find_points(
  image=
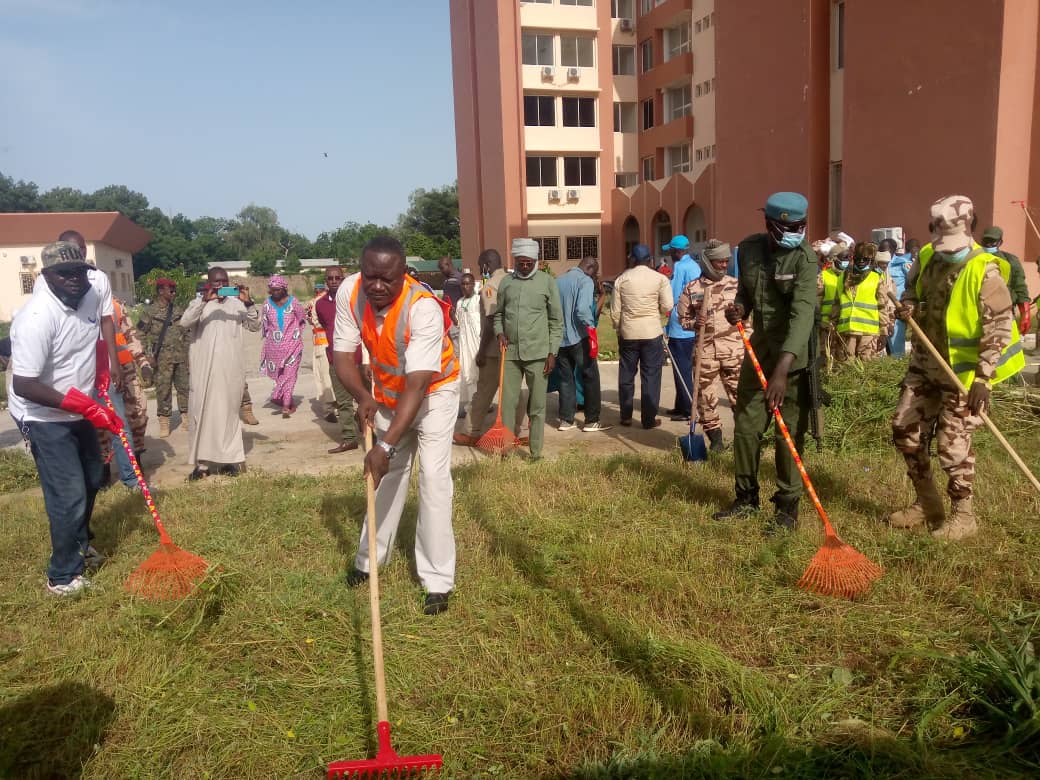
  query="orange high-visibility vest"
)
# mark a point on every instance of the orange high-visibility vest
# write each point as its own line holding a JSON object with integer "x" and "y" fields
{"x": 321, "y": 338}
{"x": 386, "y": 348}
{"x": 122, "y": 348}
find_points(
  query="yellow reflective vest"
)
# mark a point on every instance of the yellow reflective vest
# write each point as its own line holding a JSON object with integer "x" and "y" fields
{"x": 830, "y": 278}
{"x": 963, "y": 323}
{"x": 859, "y": 314}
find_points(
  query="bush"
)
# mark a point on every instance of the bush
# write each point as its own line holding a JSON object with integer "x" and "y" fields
{"x": 144, "y": 287}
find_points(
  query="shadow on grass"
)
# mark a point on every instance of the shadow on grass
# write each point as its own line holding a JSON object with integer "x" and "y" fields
{"x": 367, "y": 714}
{"x": 342, "y": 515}
{"x": 685, "y": 479}
{"x": 117, "y": 522}
{"x": 52, "y": 731}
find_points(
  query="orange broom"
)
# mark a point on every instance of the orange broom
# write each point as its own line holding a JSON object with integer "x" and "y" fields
{"x": 499, "y": 440}
{"x": 170, "y": 572}
{"x": 837, "y": 569}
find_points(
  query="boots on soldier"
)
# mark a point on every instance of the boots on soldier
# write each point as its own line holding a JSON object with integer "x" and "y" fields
{"x": 785, "y": 517}
{"x": 927, "y": 508}
{"x": 962, "y": 522}
{"x": 246, "y": 413}
{"x": 164, "y": 427}
{"x": 743, "y": 507}
{"x": 715, "y": 440}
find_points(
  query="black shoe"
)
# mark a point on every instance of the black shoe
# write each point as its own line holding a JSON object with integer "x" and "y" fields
{"x": 742, "y": 508}
{"x": 197, "y": 474}
{"x": 715, "y": 438}
{"x": 356, "y": 577}
{"x": 435, "y": 603}
{"x": 679, "y": 417}
{"x": 786, "y": 516}
{"x": 230, "y": 470}
{"x": 627, "y": 422}
{"x": 331, "y": 418}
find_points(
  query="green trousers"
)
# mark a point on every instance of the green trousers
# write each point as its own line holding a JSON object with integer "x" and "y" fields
{"x": 345, "y": 409}
{"x": 530, "y": 371}
{"x": 751, "y": 420}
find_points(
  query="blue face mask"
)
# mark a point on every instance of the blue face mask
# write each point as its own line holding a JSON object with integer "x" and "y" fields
{"x": 791, "y": 240}
{"x": 956, "y": 257}
{"x": 841, "y": 265}
{"x": 991, "y": 249}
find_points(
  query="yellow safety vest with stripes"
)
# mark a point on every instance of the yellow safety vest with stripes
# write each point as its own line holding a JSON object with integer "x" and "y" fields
{"x": 860, "y": 313}
{"x": 830, "y": 277}
{"x": 963, "y": 323}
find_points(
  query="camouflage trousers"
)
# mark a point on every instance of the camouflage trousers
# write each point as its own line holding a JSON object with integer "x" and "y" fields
{"x": 928, "y": 410}
{"x": 845, "y": 346}
{"x": 135, "y": 402}
{"x": 724, "y": 368}
{"x": 169, "y": 376}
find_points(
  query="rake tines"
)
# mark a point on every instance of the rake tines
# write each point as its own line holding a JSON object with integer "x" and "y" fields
{"x": 499, "y": 440}
{"x": 386, "y": 764}
{"x": 838, "y": 569}
{"x": 167, "y": 574}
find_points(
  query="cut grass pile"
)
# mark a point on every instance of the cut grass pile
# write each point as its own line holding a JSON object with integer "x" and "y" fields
{"x": 603, "y": 627}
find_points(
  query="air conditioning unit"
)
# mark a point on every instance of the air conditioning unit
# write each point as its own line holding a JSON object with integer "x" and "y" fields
{"x": 28, "y": 260}
{"x": 547, "y": 72}
{"x": 572, "y": 74}
{"x": 573, "y": 194}
{"x": 554, "y": 194}
{"x": 627, "y": 25}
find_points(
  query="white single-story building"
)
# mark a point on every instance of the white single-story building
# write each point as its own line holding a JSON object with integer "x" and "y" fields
{"x": 240, "y": 268}
{"x": 112, "y": 240}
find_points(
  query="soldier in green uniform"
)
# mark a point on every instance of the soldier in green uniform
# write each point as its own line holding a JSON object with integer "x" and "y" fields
{"x": 992, "y": 239}
{"x": 166, "y": 344}
{"x": 777, "y": 287}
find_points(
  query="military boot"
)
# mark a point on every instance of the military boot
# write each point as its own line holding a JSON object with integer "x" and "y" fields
{"x": 246, "y": 413}
{"x": 715, "y": 439}
{"x": 164, "y": 427}
{"x": 962, "y": 522}
{"x": 743, "y": 507}
{"x": 786, "y": 516}
{"x": 927, "y": 508}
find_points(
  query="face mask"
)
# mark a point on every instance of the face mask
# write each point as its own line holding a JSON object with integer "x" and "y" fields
{"x": 860, "y": 267}
{"x": 991, "y": 249}
{"x": 528, "y": 276}
{"x": 790, "y": 240}
{"x": 841, "y": 265}
{"x": 68, "y": 299}
{"x": 956, "y": 257}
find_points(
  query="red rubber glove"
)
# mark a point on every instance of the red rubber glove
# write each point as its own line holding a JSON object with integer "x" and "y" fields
{"x": 1025, "y": 311}
{"x": 104, "y": 375}
{"x": 593, "y": 343}
{"x": 96, "y": 414}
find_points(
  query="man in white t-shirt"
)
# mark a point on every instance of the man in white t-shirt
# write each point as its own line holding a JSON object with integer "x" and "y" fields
{"x": 412, "y": 405}
{"x": 54, "y": 366}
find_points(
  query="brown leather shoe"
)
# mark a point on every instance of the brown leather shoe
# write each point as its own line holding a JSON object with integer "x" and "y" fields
{"x": 655, "y": 424}
{"x": 464, "y": 439}
{"x": 345, "y": 446}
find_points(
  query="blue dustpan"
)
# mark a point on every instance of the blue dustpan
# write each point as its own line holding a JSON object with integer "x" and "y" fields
{"x": 692, "y": 445}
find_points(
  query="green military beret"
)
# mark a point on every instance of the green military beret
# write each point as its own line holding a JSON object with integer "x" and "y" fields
{"x": 993, "y": 234}
{"x": 787, "y": 207}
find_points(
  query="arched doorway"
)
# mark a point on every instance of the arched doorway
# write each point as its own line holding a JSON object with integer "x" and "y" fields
{"x": 662, "y": 231}
{"x": 696, "y": 227}
{"x": 630, "y": 233}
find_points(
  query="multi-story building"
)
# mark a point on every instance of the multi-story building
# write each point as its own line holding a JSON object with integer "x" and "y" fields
{"x": 593, "y": 124}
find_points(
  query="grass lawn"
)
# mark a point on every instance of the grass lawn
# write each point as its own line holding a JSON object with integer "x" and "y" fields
{"x": 603, "y": 627}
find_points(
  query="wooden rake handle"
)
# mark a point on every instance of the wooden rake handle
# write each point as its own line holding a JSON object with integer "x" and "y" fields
{"x": 373, "y": 587}
{"x": 919, "y": 332}
{"x": 827, "y": 527}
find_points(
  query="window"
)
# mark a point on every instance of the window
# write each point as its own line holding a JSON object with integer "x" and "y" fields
{"x": 626, "y": 180}
{"x": 678, "y": 158}
{"x": 677, "y": 40}
{"x": 645, "y": 7}
{"x": 541, "y": 171}
{"x": 624, "y": 60}
{"x": 625, "y": 117}
{"x": 545, "y": 2}
{"x": 646, "y": 55}
{"x": 678, "y": 102}
{"x": 700, "y": 155}
{"x": 579, "y": 171}
{"x": 697, "y": 26}
{"x": 648, "y": 114}
{"x": 713, "y": 151}
{"x": 698, "y": 90}
{"x": 548, "y": 248}
{"x": 621, "y": 9}
{"x": 579, "y": 247}
{"x": 576, "y": 2}
{"x": 27, "y": 280}
{"x": 835, "y": 195}
{"x": 539, "y": 111}
{"x": 579, "y": 112}
{"x": 648, "y": 169}
{"x": 707, "y": 22}
{"x": 839, "y": 33}
{"x": 537, "y": 49}
{"x": 576, "y": 52}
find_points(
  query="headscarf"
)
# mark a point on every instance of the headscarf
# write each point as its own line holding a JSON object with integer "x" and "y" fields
{"x": 276, "y": 281}
{"x": 525, "y": 247}
{"x": 714, "y": 250}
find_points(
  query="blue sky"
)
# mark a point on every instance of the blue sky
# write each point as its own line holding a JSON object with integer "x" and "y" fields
{"x": 207, "y": 106}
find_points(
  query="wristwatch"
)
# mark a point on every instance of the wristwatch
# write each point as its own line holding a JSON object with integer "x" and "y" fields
{"x": 388, "y": 448}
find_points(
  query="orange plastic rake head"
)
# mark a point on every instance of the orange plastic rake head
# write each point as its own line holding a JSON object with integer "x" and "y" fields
{"x": 499, "y": 440}
{"x": 168, "y": 574}
{"x": 386, "y": 764}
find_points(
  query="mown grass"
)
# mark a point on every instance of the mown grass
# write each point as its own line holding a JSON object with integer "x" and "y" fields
{"x": 603, "y": 627}
{"x": 17, "y": 471}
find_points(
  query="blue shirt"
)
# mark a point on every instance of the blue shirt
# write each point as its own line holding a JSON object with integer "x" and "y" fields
{"x": 683, "y": 272}
{"x": 577, "y": 293}
{"x": 897, "y": 269}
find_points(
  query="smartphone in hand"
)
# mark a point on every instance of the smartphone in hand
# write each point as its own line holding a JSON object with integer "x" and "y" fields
{"x": 227, "y": 292}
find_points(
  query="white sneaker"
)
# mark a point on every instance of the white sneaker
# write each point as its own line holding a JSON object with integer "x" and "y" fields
{"x": 596, "y": 427}
{"x": 78, "y": 584}
{"x": 566, "y": 426}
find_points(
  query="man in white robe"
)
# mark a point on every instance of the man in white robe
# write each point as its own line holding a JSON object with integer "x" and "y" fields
{"x": 217, "y": 328}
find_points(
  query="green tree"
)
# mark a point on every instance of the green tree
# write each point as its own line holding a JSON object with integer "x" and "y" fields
{"x": 434, "y": 213}
{"x": 18, "y": 195}
{"x": 144, "y": 287}
{"x": 291, "y": 265}
{"x": 262, "y": 262}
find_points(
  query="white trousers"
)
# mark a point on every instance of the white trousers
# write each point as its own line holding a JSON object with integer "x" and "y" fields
{"x": 430, "y": 440}
{"x": 322, "y": 379}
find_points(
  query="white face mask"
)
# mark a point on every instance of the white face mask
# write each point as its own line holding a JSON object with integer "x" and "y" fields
{"x": 534, "y": 270}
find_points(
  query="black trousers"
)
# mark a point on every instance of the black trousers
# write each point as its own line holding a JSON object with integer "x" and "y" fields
{"x": 571, "y": 360}
{"x": 646, "y": 356}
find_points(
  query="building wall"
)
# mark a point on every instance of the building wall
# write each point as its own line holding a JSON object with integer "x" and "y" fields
{"x": 119, "y": 266}
{"x": 11, "y": 273}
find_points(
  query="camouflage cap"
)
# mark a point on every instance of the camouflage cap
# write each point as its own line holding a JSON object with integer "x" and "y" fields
{"x": 838, "y": 249}
{"x": 951, "y": 223}
{"x": 63, "y": 253}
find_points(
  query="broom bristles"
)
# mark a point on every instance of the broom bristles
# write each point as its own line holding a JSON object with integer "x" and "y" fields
{"x": 838, "y": 569}
{"x": 167, "y": 574}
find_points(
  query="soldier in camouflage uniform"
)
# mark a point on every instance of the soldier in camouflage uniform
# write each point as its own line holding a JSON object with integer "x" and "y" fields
{"x": 958, "y": 294}
{"x": 702, "y": 307}
{"x": 134, "y": 399}
{"x": 169, "y": 359}
{"x": 861, "y": 311}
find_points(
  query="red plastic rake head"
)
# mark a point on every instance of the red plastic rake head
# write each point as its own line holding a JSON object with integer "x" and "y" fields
{"x": 838, "y": 569}
{"x": 386, "y": 763}
{"x": 167, "y": 574}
